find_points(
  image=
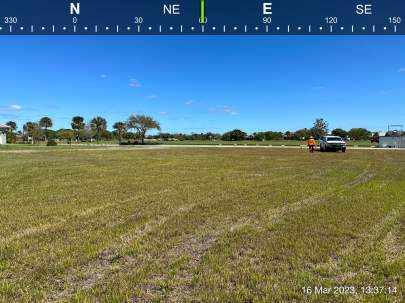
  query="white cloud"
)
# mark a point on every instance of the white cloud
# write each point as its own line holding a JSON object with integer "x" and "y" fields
{"x": 10, "y": 107}
{"x": 15, "y": 107}
{"x": 134, "y": 83}
{"x": 225, "y": 109}
{"x": 103, "y": 76}
{"x": 401, "y": 70}
{"x": 189, "y": 102}
{"x": 163, "y": 113}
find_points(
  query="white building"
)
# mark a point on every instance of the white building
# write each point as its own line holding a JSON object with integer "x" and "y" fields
{"x": 3, "y": 133}
{"x": 392, "y": 142}
{"x": 394, "y": 138}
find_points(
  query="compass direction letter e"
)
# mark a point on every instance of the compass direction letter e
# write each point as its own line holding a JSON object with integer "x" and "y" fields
{"x": 75, "y": 8}
{"x": 267, "y": 8}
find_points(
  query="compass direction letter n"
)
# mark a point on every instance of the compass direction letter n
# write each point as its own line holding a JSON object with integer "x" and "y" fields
{"x": 75, "y": 8}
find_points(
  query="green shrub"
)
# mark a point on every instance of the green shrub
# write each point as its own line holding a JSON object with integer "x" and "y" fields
{"x": 129, "y": 142}
{"x": 11, "y": 138}
{"x": 51, "y": 143}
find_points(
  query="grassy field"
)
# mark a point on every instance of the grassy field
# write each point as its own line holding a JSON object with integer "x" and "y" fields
{"x": 201, "y": 225}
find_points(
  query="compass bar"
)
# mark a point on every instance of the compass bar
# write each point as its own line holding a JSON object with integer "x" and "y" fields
{"x": 202, "y": 17}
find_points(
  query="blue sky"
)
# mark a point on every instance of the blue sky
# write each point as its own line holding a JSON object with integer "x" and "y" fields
{"x": 197, "y": 84}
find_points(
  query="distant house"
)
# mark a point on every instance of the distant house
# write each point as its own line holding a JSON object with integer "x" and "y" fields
{"x": 3, "y": 133}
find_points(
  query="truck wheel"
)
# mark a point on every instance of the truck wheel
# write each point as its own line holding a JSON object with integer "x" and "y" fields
{"x": 343, "y": 150}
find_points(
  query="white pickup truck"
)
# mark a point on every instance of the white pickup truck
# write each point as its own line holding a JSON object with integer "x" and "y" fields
{"x": 332, "y": 143}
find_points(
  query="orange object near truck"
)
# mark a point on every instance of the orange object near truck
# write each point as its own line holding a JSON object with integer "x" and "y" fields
{"x": 311, "y": 141}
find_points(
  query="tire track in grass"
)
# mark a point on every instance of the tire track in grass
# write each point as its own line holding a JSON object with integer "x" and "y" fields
{"x": 333, "y": 265}
{"x": 367, "y": 237}
{"x": 392, "y": 243}
{"x": 364, "y": 177}
{"x": 97, "y": 269}
{"x": 193, "y": 248}
{"x": 90, "y": 211}
{"x": 82, "y": 214}
{"x": 87, "y": 212}
{"x": 274, "y": 214}
{"x": 196, "y": 247}
{"x": 183, "y": 290}
{"x": 94, "y": 271}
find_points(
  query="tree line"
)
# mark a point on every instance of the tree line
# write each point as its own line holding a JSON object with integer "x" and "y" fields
{"x": 95, "y": 129}
{"x": 136, "y": 128}
{"x": 320, "y": 128}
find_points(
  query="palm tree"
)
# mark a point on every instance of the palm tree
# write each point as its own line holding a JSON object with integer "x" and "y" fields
{"x": 120, "y": 128}
{"x": 32, "y": 129}
{"x": 13, "y": 127}
{"x": 142, "y": 124}
{"x": 99, "y": 124}
{"x": 77, "y": 125}
{"x": 12, "y": 124}
{"x": 45, "y": 123}
{"x": 26, "y": 128}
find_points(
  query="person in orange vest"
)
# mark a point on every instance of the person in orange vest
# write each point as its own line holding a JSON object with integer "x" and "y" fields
{"x": 311, "y": 144}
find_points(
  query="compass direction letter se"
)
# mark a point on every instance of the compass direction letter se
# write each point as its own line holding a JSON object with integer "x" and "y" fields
{"x": 364, "y": 9}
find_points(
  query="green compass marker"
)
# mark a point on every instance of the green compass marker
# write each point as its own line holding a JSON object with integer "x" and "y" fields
{"x": 202, "y": 15}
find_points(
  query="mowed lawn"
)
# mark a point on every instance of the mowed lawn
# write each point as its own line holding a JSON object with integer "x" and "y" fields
{"x": 200, "y": 225}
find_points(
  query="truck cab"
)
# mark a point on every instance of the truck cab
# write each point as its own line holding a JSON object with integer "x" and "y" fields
{"x": 332, "y": 143}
